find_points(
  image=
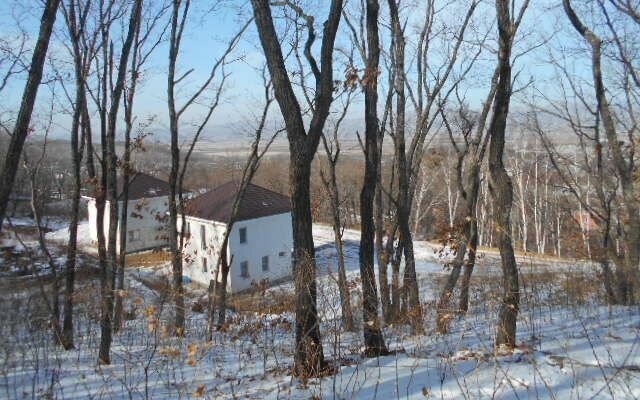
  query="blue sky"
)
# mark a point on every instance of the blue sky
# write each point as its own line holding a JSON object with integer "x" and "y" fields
{"x": 207, "y": 35}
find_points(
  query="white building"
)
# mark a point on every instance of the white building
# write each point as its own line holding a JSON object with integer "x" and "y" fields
{"x": 147, "y": 221}
{"x": 260, "y": 242}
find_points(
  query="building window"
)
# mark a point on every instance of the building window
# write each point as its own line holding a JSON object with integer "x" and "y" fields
{"x": 282, "y": 254}
{"x": 134, "y": 235}
{"x": 243, "y": 235}
{"x": 244, "y": 269}
{"x": 203, "y": 237}
{"x": 204, "y": 264}
{"x": 187, "y": 229}
{"x": 265, "y": 263}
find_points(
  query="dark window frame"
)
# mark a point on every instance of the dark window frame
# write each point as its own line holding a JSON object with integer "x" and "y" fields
{"x": 242, "y": 232}
{"x": 244, "y": 269}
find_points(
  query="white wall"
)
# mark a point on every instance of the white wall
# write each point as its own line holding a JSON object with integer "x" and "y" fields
{"x": 267, "y": 236}
{"x": 147, "y": 216}
{"x": 193, "y": 252}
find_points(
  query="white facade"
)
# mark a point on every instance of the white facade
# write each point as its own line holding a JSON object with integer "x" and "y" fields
{"x": 264, "y": 254}
{"x": 147, "y": 223}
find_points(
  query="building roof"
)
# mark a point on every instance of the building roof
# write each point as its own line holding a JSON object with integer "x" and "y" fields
{"x": 144, "y": 186}
{"x": 217, "y": 204}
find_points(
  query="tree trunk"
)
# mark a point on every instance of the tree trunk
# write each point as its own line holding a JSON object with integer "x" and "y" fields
{"x": 111, "y": 163}
{"x": 383, "y": 256}
{"x": 500, "y": 184}
{"x": 309, "y": 357}
{"x": 345, "y": 297}
{"x": 70, "y": 264}
{"x": 465, "y": 221}
{"x": 373, "y": 340}
{"x": 23, "y": 120}
{"x": 468, "y": 268}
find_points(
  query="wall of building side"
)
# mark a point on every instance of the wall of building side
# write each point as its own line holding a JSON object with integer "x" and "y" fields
{"x": 269, "y": 236}
{"x": 195, "y": 251}
{"x": 147, "y": 223}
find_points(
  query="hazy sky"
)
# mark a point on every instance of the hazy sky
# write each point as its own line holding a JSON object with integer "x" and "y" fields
{"x": 207, "y": 35}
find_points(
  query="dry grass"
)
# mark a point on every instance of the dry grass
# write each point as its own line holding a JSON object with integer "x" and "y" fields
{"x": 273, "y": 302}
{"x": 147, "y": 258}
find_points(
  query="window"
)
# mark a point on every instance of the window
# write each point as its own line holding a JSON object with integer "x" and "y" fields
{"x": 187, "y": 229}
{"x": 134, "y": 235}
{"x": 243, "y": 235}
{"x": 203, "y": 237}
{"x": 244, "y": 269}
{"x": 282, "y": 254}
{"x": 204, "y": 264}
{"x": 265, "y": 263}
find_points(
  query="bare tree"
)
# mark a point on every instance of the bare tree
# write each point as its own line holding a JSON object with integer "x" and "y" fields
{"x": 23, "y": 120}
{"x": 218, "y": 286}
{"x": 214, "y": 82}
{"x": 426, "y": 96}
{"x": 499, "y": 182}
{"x": 330, "y": 182}
{"x": 303, "y": 144}
{"x": 107, "y": 96}
{"x": 82, "y": 49}
{"x": 145, "y": 42}
{"x": 624, "y": 167}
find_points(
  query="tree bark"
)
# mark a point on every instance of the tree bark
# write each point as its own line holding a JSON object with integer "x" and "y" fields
{"x": 308, "y": 357}
{"x": 23, "y": 120}
{"x": 500, "y": 183}
{"x": 109, "y": 275}
{"x": 373, "y": 340}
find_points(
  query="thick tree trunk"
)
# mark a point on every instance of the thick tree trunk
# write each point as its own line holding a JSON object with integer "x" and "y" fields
{"x": 500, "y": 184}
{"x": 373, "y": 340}
{"x": 23, "y": 120}
{"x": 309, "y": 357}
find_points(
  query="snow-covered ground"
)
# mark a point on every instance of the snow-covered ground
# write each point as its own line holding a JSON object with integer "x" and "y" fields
{"x": 571, "y": 346}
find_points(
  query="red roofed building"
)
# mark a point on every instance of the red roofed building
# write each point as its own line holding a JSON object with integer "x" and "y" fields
{"x": 260, "y": 242}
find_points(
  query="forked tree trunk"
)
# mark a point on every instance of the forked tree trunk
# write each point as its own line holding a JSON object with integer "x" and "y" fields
{"x": 500, "y": 184}
{"x": 308, "y": 357}
{"x": 464, "y": 221}
{"x": 23, "y": 120}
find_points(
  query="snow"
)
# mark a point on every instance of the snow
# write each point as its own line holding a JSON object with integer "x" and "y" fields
{"x": 566, "y": 349}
